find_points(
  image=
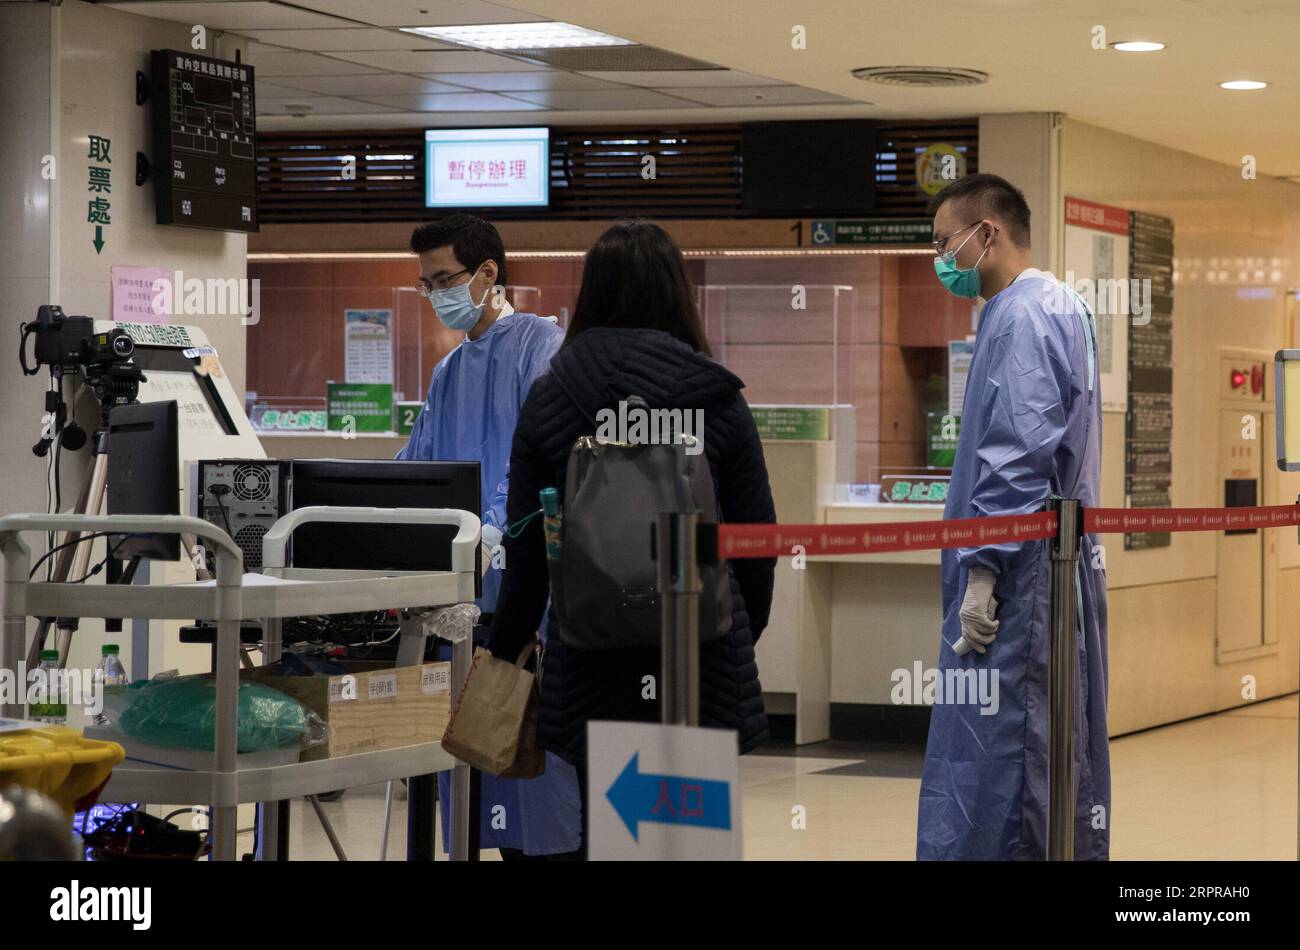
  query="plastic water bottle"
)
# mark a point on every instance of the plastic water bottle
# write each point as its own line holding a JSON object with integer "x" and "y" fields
{"x": 111, "y": 680}
{"x": 49, "y": 705}
{"x": 550, "y": 500}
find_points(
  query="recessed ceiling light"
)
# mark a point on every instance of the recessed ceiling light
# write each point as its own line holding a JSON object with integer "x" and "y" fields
{"x": 1138, "y": 46}
{"x": 515, "y": 36}
{"x": 1243, "y": 84}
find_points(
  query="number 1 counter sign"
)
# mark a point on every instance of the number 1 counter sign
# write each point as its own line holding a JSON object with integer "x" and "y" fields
{"x": 663, "y": 793}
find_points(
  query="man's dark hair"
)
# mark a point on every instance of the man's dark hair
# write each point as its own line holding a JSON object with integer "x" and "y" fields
{"x": 634, "y": 276}
{"x": 472, "y": 240}
{"x": 989, "y": 196}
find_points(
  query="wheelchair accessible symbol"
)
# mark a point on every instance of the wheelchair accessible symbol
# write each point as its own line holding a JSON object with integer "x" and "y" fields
{"x": 823, "y": 232}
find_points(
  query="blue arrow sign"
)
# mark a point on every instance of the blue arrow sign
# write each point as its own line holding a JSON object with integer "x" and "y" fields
{"x": 669, "y": 799}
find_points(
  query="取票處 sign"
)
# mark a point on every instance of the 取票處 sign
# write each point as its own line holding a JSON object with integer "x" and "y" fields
{"x": 663, "y": 793}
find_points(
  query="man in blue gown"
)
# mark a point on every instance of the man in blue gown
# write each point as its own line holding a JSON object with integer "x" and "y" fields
{"x": 1030, "y": 429}
{"x": 470, "y": 413}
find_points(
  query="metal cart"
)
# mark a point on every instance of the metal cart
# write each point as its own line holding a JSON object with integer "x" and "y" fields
{"x": 233, "y": 597}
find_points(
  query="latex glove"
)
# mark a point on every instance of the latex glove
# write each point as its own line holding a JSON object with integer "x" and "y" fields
{"x": 978, "y": 628}
{"x": 489, "y": 539}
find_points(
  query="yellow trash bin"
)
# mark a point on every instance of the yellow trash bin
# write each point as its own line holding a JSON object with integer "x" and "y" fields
{"x": 59, "y": 762}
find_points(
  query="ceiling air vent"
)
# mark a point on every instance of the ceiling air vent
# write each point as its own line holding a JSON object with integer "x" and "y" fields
{"x": 922, "y": 76}
{"x": 610, "y": 58}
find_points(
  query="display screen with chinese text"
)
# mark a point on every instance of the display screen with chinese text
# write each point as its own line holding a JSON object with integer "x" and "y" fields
{"x": 477, "y": 168}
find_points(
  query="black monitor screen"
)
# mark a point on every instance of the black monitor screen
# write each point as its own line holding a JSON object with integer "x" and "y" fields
{"x": 143, "y": 474}
{"x": 380, "y": 484}
{"x": 821, "y": 167}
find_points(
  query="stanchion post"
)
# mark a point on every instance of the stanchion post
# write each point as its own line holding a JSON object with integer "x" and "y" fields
{"x": 678, "y": 581}
{"x": 461, "y": 801}
{"x": 663, "y": 550}
{"x": 686, "y": 597}
{"x": 1061, "y": 689}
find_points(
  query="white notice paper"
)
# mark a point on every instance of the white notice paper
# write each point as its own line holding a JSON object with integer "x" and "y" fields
{"x": 368, "y": 353}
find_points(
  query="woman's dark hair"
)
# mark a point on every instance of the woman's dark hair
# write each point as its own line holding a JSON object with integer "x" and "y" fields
{"x": 634, "y": 276}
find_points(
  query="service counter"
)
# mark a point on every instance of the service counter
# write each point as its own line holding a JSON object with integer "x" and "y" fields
{"x": 331, "y": 445}
{"x": 843, "y": 624}
{"x": 840, "y": 625}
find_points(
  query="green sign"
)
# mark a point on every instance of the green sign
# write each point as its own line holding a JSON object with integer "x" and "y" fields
{"x": 359, "y": 407}
{"x": 407, "y": 413}
{"x": 919, "y": 490}
{"x": 941, "y": 446}
{"x": 826, "y": 232}
{"x": 794, "y": 423}
{"x": 288, "y": 420}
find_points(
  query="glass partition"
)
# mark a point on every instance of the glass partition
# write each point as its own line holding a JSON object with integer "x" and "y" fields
{"x": 790, "y": 344}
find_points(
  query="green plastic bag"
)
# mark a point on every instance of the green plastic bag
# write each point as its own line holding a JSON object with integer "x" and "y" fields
{"x": 180, "y": 712}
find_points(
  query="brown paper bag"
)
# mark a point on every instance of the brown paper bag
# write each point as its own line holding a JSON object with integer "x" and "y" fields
{"x": 494, "y": 724}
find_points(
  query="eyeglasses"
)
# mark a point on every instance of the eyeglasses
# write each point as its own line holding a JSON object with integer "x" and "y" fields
{"x": 942, "y": 243}
{"x": 426, "y": 287}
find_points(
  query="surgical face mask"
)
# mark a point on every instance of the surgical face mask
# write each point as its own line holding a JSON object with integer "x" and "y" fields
{"x": 961, "y": 282}
{"x": 456, "y": 308}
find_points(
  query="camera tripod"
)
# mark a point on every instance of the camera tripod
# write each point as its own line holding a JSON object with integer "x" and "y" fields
{"x": 73, "y": 559}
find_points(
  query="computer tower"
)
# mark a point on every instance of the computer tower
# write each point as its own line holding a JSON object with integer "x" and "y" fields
{"x": 243, "y": 497}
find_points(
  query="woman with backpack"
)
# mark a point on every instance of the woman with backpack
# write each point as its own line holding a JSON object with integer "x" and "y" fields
{"x": 635, "y": 332}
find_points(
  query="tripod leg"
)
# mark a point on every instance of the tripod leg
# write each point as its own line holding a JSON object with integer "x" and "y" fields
{"x": 81, "y": 563}
{"x": 329, "y": 829}
{"x": 62, "y": 567}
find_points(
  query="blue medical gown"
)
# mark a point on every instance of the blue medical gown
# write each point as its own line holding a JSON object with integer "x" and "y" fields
{"x": 1030, "y": 428}
{"x": 470, "y": 413}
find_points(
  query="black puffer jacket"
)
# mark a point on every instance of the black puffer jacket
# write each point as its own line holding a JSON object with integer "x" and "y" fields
{"x": 600, "y": 367}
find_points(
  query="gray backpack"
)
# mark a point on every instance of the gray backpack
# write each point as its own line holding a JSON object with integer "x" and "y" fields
{"x": 603, "y": 584}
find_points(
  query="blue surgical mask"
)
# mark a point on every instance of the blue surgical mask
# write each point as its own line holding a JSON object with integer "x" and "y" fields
{"x": 961, "y": 282}
{"x": 456, "y": 308}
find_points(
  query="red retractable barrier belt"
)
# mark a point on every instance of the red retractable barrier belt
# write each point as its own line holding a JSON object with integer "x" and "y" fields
{"x": 1125, "y": 520}
{"x": 776, "y": 540}
{"x": 781, "y": 540}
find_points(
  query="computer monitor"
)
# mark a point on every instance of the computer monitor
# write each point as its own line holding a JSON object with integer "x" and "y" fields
{"x": 144, "y": 475}
{"x": 380, "y": 484}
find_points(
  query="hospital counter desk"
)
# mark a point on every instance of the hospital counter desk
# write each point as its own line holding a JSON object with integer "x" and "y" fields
{"x": 843, "y": 625}
{"x": 331, "y": 445}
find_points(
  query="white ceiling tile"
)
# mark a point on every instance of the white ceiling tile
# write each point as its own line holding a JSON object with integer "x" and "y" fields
{"x": 321, "y": 105}
{"x": 760, "y": 96}
{"x": 462, "y": 102}
{"x": 438, "y": 61}
{"x": 674, "y": 78}
{"x": 233, "y": 14}
{"x": 534, "y": 81}
{"x": 346, "y": 40}
{"x": 372, "y": 84}
{"x": 581, "y": 101}
{"x": 439, "y": 12}
{"x": 271, "y": 65}
{"x": 252, "y": 48}
{"x": 275, "y": 90}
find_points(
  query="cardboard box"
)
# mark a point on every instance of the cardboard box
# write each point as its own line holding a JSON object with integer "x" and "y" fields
{"x": 372, "y": 706}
